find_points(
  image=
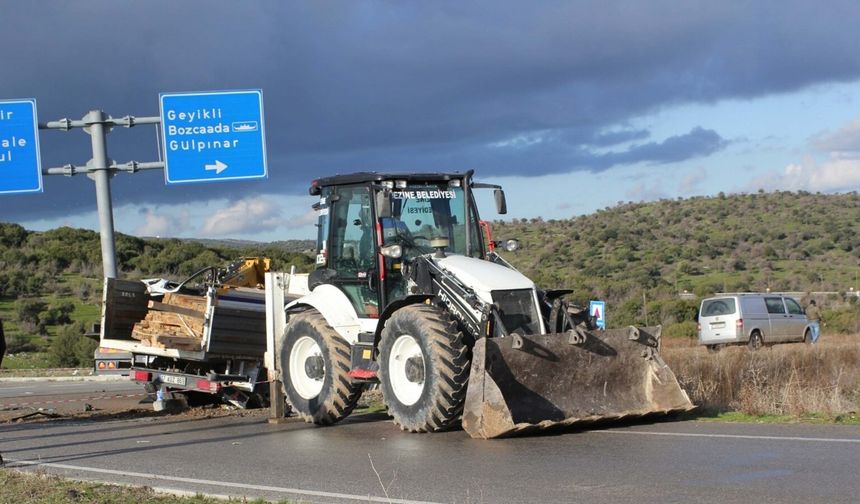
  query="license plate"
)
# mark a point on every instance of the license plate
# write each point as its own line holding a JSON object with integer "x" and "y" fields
{"x": 173, "y": 380}
{"x": 718, "y": 325}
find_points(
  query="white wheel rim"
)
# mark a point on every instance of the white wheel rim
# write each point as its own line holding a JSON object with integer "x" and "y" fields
{"x": 306, "y": 386}
{"x": 404, "y": 348}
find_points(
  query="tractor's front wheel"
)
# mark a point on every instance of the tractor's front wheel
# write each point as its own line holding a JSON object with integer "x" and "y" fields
{"x": 315, "y": 363}
{"x": 424, "y": 368}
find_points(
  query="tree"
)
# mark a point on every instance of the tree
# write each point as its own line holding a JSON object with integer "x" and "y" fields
{"x": 58, "y": 312}
{"x": 70, "y": 348}
{"x": 27, "y": 312}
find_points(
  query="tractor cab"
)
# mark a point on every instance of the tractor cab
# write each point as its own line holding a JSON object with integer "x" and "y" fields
{"x": 371, "y": 225}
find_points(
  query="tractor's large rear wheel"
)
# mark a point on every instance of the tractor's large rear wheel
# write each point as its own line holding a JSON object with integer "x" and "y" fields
{"x": 315, "y": 361}
{"x": 424, "y": 368}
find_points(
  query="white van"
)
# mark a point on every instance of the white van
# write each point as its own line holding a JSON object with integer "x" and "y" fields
{"x": 752, "y": 319}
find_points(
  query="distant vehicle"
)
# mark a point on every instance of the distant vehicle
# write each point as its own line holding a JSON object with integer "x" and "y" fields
{"x": 753, "y": 319}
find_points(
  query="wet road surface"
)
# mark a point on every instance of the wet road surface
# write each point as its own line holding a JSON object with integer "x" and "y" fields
{"x": 367, "y": 459}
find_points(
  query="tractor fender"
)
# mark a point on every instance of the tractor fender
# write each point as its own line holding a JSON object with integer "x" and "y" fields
{"x": 334, "y": 306}
{"x": 393, "y": 307}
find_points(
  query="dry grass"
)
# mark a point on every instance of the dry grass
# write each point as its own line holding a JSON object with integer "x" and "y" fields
{"x": 789, "y": 379}
{"x": 43, "y": 488}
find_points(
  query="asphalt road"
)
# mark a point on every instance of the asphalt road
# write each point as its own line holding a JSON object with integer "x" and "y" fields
{"x": 25, "y": 389}
{"x": 19, "y": 398}
{"x": 367, "y": 459}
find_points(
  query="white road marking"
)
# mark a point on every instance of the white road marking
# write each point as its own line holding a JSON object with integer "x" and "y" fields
{"x": 244, "y": 486}
{"x": 733, "y": 436}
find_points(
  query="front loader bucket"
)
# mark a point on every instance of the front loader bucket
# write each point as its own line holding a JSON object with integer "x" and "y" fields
{"x": 524, "y": 383}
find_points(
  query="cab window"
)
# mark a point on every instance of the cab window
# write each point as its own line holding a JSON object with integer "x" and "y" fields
{"x": 351, "y": 248}
{"x": 352, "y": 233}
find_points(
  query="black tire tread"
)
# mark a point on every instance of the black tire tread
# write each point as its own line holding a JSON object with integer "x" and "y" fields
{"x": 760, "y": 337}
{"x": 340, "y": 403}
{"x": 451, "y": 358}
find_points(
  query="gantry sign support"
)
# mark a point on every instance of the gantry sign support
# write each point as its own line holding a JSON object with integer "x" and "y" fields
{"x": 205, "y": 137}
{"x": 100, "y": 168}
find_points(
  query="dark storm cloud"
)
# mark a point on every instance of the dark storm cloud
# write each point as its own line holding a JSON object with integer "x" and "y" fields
{"x": 696, "y": 143}
{"x": 528, "y": 156}
{"x": 616, "y": 137}
{"x": 504, "y": 87}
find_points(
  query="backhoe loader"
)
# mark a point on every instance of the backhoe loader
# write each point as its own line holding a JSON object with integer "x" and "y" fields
{"x": 410, "y": 293}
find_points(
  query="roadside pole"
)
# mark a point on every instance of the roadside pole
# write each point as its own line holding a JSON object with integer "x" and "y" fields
{"x": 101, "y": 176}
{"x": 100, "y": 169}
{"x": 276, "y": 321}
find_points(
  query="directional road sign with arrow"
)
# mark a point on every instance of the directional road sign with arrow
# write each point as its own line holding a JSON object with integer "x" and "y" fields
{"x": 212, "y": 136}
{"x": 20, "y": 168}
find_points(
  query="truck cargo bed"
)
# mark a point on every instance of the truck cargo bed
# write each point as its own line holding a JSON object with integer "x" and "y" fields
{"x": 236, "y": 329}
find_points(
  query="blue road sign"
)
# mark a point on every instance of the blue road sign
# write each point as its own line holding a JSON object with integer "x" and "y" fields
{"x": 597, "y": 309}
{"x": 212, "y": 136}
{"x": 20, "y": 163}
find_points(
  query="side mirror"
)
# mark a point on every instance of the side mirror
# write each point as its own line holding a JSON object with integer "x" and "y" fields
{"x": 383, "y": 203}
{"x": 501, "y": 204}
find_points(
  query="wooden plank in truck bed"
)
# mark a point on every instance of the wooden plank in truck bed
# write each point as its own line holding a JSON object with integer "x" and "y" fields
{"x": 175, "y": 309}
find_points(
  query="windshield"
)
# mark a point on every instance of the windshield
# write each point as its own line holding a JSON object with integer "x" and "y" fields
{"x": 422, "y": 212}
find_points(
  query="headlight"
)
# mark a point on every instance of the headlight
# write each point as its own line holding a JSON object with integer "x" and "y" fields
{"x": 512, "y": 245}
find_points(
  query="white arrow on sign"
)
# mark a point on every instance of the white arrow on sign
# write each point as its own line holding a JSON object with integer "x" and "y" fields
{"x": 218, "y": 167}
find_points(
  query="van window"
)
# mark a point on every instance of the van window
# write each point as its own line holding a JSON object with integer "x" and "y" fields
{"x": 774, "y": 305}
{"x": 793, "y": 307}
{"x": 720, "y": 306}
{"x": 753, "y": 305}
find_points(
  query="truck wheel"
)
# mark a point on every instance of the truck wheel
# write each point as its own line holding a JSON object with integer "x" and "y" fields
{"x": 423, "y": 368}
{"x": 755, "y": 342}
{"x": 315, "y": 361}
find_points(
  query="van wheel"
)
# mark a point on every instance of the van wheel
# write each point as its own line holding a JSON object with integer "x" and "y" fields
{"x": 755, "y": 341}
{"x": 713, "y": 348}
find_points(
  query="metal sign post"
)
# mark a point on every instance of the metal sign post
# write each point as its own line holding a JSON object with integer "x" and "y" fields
{"x": 103, "y": 200}
{"x": 101, "y": 169}
{"x": 208, "y": 136}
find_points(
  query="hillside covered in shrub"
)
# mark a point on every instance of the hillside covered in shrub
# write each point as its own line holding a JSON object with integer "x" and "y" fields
{"x": 651, "y": 262}
{"x": 50, "y": 282}
{"x": 783, "y": 241}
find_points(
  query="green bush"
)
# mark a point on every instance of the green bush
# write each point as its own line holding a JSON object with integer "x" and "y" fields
{"x": 685, "y": 329}
{"x": 70, "y": 348}
{"x": 58, "y": 313}
{"x": 28, "y": 315}
{"x": 843, "y": 321}
{"x": 19, "y": 344}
